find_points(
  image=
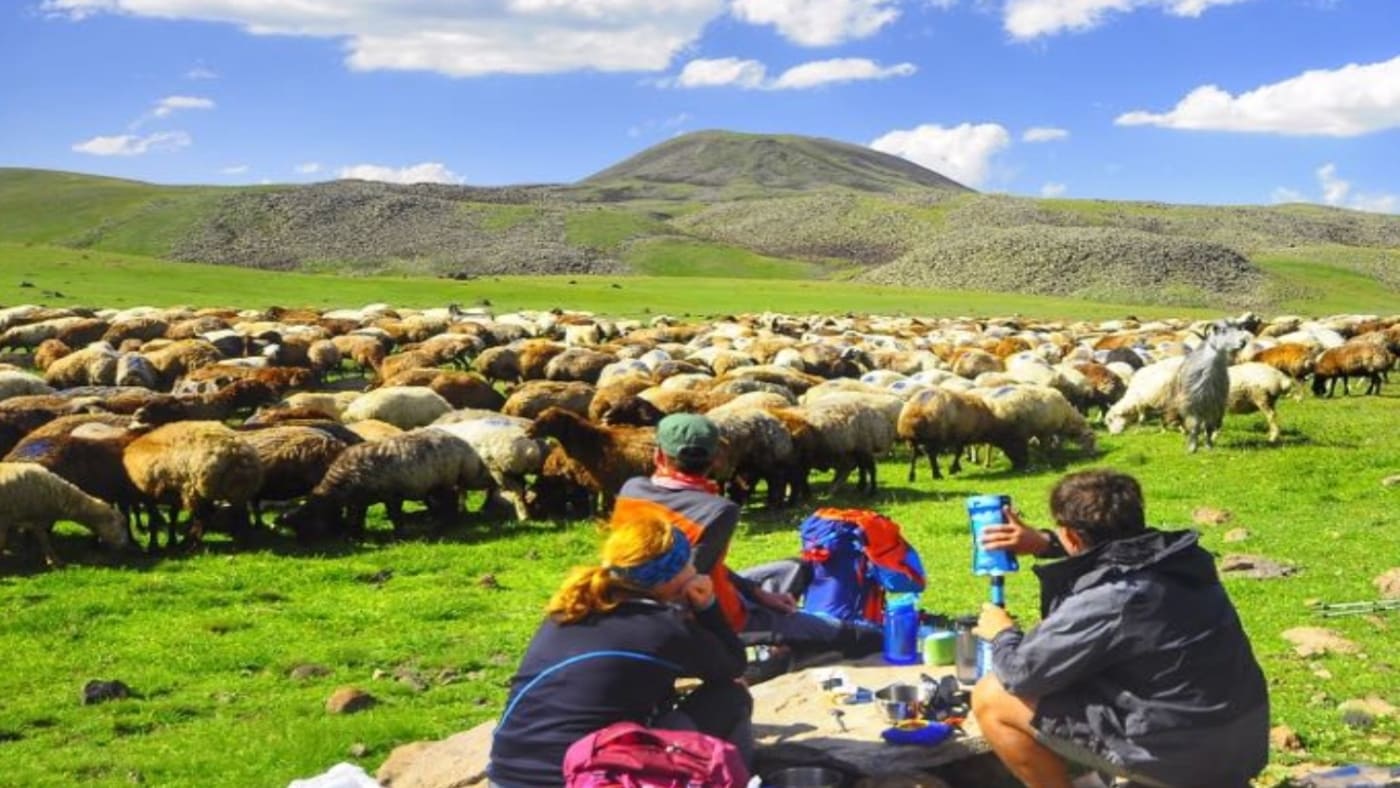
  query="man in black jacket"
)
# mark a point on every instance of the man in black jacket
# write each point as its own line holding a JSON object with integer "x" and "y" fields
{"x": 1139, "y": 667}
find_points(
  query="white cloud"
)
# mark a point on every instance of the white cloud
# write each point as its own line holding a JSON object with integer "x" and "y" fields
{"x": 1044, "y": 134}
{"x": 817, "y": 23}
{"x": 1027, "y": 19}
{"x": 671, "y": 124}
{"x": 427, "y": 172}
{"x": 1337, "y": 191}
{"x": 460, "y": 39}
{"x": 133, "y": 145}
{"x": 1053, "y": 189}
{"x": 721, "y": 72}
{"x": 201, "y": 72}
{"x": 1334, "y": 189}
{"x": 237, "y": 169}
{"x": 168, "y": 105}
{"x": 1347, "y": 102}
{"x": 846, "y": 69}
{"x": 753, "y": 75}
{"x": 308, "y": 168}
{"x": 962, "y": 152}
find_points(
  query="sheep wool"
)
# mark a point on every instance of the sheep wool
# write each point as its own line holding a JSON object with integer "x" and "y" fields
{"x": 34, "y": 498}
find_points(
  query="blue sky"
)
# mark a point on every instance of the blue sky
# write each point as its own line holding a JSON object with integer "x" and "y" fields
{"x": 1196, "y": 101}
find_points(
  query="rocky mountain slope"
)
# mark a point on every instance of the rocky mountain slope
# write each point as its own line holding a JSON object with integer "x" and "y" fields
{"x": 799, "y": 206}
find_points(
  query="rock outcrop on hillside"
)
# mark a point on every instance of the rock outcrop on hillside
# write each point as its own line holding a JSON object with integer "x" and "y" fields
{"x": 1104, "y": 263}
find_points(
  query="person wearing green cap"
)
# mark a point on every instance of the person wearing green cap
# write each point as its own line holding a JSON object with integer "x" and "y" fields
{"x": 679, "y": 490}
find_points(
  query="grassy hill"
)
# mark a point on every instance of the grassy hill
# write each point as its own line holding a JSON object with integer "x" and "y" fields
{"x": 740, "y": 206}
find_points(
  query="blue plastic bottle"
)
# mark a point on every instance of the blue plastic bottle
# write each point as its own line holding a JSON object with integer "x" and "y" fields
{"x": 982, "y": 511}
{"x": 902, "y": 629}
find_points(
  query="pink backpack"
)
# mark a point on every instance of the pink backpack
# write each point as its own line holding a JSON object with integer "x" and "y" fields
{"x": 627, "y": 755}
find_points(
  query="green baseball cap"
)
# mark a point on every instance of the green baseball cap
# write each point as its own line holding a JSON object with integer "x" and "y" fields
{"x": 687, "y": 436}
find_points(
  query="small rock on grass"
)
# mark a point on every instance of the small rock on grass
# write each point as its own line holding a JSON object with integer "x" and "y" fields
{"x": 348, "y": 700}
{"x": 1371, "y": 704}
{"x": 358, "y": 750}
{"x": 1255, "y": 566}
{"x": 1391, "y": 481}
{"x": 97, "y": 691}
{"x": 1236, "y": 535}
{"x": 1315, "y": 641}
{"x": 489, "y": 580}
{"x": 1209, "y": 515}
{"x": 1284, "y": 739}
{"x": 308, "y": 671}
{"x": 1388, "y": 583}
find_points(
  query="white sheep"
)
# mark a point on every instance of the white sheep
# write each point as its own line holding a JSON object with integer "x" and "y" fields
{"x": 405, "y": 407}
{"x": 14, "y": 383}
{"x": 33, "y": 498}
{"x": 1146, "y": 395}
{"x": 94, "y": 365}
{"x": 1041, "y": 413}
{"x": 506, "y": 451}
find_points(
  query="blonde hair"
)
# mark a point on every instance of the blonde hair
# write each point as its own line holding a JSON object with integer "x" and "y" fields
{"x": 597, "y": 589}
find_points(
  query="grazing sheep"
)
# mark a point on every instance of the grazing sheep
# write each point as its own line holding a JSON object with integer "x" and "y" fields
{"x": 611, "y": 455}
{"x": 33, "y": 498}
{"x": 193, "y": 465}
{"x": 498, "y": 364}
{"x": 134, "y": 369}
{"x": 577, "y": 363}
{"x": 1354, "y": 359}
{"x": 1103, "y": 386}
{"x": 535, "y": 355}
{"x": 681, "y": 400}
{"x": 792, "y": 380}
{"x": 178, "y": 359}
{"x": 405, "y": 407}
{"x": 1198, "y": 392}
{"x": 14, "y": 383}
{"x": 754, "y": 445}
{"x": 849, "y": 433}
{"x": 1040, "y": 413}
{"x": 937, "y": 421}
{"x": 323, "y": 356}
{"x": 1146, "y": 395}
{"x": 83, "y": 332}
{"x": 49, "y": 351}
{"x": 85, "y": 449}
{"x": 428, "y": 465}
{"x": 31, "y": 334}
{"x": 971, "y": 363}
{"x": 367, "y": 352}
{"x": 460, "y": 389}
{"x": 506, "y": 450}
{"x": 633, "y": 412}
{"x": 94, "y": 365}
{"x": 294, "y": 460}
{"x": 1292, "y": 359}
{"x": 615, "y": 391}
{"x": 536, "y": 396}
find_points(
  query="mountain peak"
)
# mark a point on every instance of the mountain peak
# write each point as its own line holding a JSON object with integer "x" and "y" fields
{"x": 739, "y": 162}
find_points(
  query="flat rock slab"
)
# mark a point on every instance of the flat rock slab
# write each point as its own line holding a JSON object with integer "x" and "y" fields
{"x": 1314, "y": 641}
{"x": 790, "y": 712}
{"x": 1388, "y": 583}
{"x": 792, "y": 709}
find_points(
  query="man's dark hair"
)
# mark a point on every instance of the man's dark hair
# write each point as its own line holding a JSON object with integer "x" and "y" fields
{"x": 1102, "y": 505}
{"x": 693, "y": 465}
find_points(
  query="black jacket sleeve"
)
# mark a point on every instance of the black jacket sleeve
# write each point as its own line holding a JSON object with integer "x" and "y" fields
{"x": 711, "y": 650}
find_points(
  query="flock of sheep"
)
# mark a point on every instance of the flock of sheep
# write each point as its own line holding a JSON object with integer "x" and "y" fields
{"x": 123, "y": 420}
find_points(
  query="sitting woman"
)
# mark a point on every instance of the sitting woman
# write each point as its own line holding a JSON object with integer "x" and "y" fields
{"x": 617, "y": 637}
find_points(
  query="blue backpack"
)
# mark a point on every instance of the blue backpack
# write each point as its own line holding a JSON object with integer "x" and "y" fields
{"x": 856, "y": 556}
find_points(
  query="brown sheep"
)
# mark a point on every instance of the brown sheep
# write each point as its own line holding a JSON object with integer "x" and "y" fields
{"x": 970, "y": 363}
{"x": 535, "y": 355}
{"x": 294, "y": 460}
{"x": 391, "y": 366}
{"x": 577, "y": 363}
{"x": 84, "y": 332}
{"x": 611, "y": 455}
{"x": 460, "y": 389}
{"x": 142, "y": 328}
{"x": 1359, "y": 359}
{"x": 1104, "y": 387}
{"x": 49, "y": 351}
{"x": 365, "y": 351}
{"x": 935, "y": 421}
{"x": 615, "y": 391}
{"x": 1291, "y": 358}
{"x": 498, "y": 363}
{"x": 194, "y": 465}
{"x": 178, "y": 359}
{"x": 535, "y": 396}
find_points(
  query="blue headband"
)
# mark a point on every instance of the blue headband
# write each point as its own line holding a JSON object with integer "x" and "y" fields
{"x": 661, "y": 568}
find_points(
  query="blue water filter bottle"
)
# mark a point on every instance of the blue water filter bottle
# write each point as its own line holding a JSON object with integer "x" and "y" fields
{"x": 902, "y": 629}
{"x": 984, "y": 511}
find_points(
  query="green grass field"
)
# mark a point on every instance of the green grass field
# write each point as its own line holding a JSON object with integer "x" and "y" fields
{"x": 93, "y": 278}
{"x": 207, "y": 641}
